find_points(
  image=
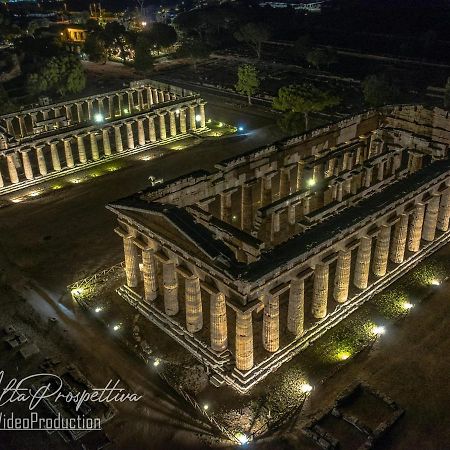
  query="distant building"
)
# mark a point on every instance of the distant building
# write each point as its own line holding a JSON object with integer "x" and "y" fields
{"x": 309, "y": 6}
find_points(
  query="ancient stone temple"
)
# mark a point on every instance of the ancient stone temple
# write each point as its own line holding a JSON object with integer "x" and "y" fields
{"x": 247, "y": 265}
{"x": 49, "y": 141}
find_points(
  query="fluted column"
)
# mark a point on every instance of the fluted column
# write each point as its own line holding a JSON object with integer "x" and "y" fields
{"x": 68, "y": 153}
{"x": 151, "y": 128}
{"x": 218, "y": 319}
{"x": 94, "y": 146}
{"x": 120, "y": 103}
{"x": 111, "y": 110}
{"x": 27, "y": 165}
{"x": 141, "y": 133}
{"x": 81, "y": 148}
{"x": 381, "y": 253}
{"x": 131, "y": 261}
{"x": 362, "y": 265}
{"x": 244, "y": 340}
{"x": 415, "y": 231}
{"x": 162, "y": 126}
{"x": 79, "y": 111}
{"x": 202, "y": 115}
{"x": 130, "y": 101}
{"x": 194, "y": 313}
{"x": 183, "y": 127}
{"x": 225, "y": 207}
{"x": 246, "y": 207}
{"x": 149, "y": 275}
{"x": 320, "y": 291}
{"x": 296, "y": 307}
{"x": 130, "y": 137}
{"x": 173, "y": 124}
{"x": 399, "y": 239}
{"x": 90, "y": 104}
{"x": 192, "y": 120}
{"x": 41, "y": 160}
{"x": 56, "y": 162}
{"x": 13, "y": 176}
{"x": 271, "y": 323}
{"x": 444, "y": 211}
{"x": 431, "y": 216}
{"x": 106, "y": 142}
{"x": 170, "y": 282}
{"x": 342, "y": 276}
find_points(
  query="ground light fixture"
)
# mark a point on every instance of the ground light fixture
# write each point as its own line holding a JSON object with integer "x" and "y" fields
{"x": 435, "y": 282}
{"x": 241, "y": 128}
{"x": 242, "y": 438}
{"x": 407, "y": 305}
{"x": 311, "y": 182}
{"x": 156, "y": 362}
{"x": 306, "y": 388}
{"x": 117, "y": 327}
{"x": 198, "y": 117}
{"x": 206, "y": 407}
{"x": 98, "y": 118}
{"x": 76, "y": 292}
{"x": 343, "y": 355}
{"x": 98, "y": 309}
{"x": 379, "y": 330}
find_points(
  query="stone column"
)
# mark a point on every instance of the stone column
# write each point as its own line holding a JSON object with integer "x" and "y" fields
{"x": 299, "y": 178}
{"x": 244, "y": 340}
{"x": 13, "y": 176}
{"x": 362, "y": 265}
{"x": 161, "y": 96}
{"x": 149, "y": 97}
{"x": 266, "y": 191}
{"x": 9, "y": 126}
{"x": 170, "y": 282}
{"x": 167, "y": 97}
{"x": 194, "y": 313}
{"x": 23, "y": 127}
{"x": 320, "y": 291}
{"x": 56, "y": 163}
{"x": 192, "y": 120}
{"x": 130, "y": 137}
{"x": 444, "y": 211}
{"x": 140, "y": 99}
{"x": 41, "y": 159}
{"x": 291, "y": 215}
{"x": 94, "y": 146}
{"x": 2, "y": 183}
{"x": 225, "y": 207}
{"x": 149, "y": 275}
{"x": 120, "y": 103}
{"x": 155, "y": 96}
{"x": 130, "y": 102}
{"x": 431, "y": 216}
{"x": 101, "y": 107}
{"x": 79, "y": 111}
{"x": 183, "y": 127}
{"x": 342, "y": 276}
{"x": 415, "y": 231}
{"x": 285, "y": 182}
{"x": 173, "y": 124}
{"x": 399, "y": 240}
{"x": 271, "y": 323}
{"x": 162, "y": 126}
{"x": 81, "y": 148}
{"x": 381, "y": 253}
{"x": 296, "y": 307}
{"x": 202, "y": 115}
{"x": 68, "y": 109}
{"x": 246, "y": 207}
{"x": 131, "y": 261}
{"x": 151, "y": 128}
{"x": 106, "y": 142}
{"x": 218, "y": 325}
{"x": 141, "y": 133}
{"x": 111, "y": 110}
{"x": 90, "y": 104}
{"x": 26, "y": 164}
{"x": 68, "y": 152}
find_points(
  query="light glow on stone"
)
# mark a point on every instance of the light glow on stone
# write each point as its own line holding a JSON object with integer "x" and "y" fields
{"x": 435, "y": 282}
{"x": 378, "y": 330}
{"x": 242, "y": 438}
{"x": 99, "y": 118}
{"x": 198, "y": 117}
{"x": 305, "y": 388}
{"x": 407, "y": 305}
{"x": 343, "y": 355}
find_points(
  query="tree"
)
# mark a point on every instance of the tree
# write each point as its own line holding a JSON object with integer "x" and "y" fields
{"x": 303, "y": 99}
{"x": 253, "y": 35}
{"x": 447, "y": 94}
{"x": 248, "y": 81}
{"x": 115, "y": 36}
{"x": 95, "y": 48}
{"x": 162, "y": 35}
{"x": 143, "y": 60}
{"x": 321, "y": 57}
{"x": 379, "y": 90}
{"x": 195, "y": 49}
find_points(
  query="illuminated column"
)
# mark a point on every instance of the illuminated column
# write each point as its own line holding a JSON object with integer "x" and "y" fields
{"x": 362, "y": 265}
{"x": 101, "y": 107}
{"x": 192, "y": 120}
{"x": 218, "y": 319}
{"x": 130, "y": 137}
{"x": 431, "y": 216}
{"x": 266, "y": 191}
{"x": 151, "y": 128}
{"x": 23, "y": 128}
{"x": 140, "y": 99}
{"x": 111, "y": 111}
{"x": 244, "y": 340}
{"x": 162, "y": 126}
{"x": 149, "y": 97}
{"x": 415, "y": 231}
{"x": 444, "y": 211}
{"x": 2, "y": 183}
{"x": 81, "y": 148}
{"x": 80, "y": 111}
{"x": 90, "y": 104}
{"x": 9, "y": 126}
{"x": 161, "y": 96}
{"x": 246, "y": 207}
{"x": 26, "y": 164}
{"x": 173, "y": 124}
{"x": 167, "y": 96}
{"x": 68, "y": 109}
{"x": 41, "y": 159}
{"x": 320, "y": 291}
{"x": 131, "y": 261}
{"x": 183, "y": 127}
{"x": 381, "y": 253}
{"x": 56, "y": 163}
{"x": 155, "y": 96}
{"x": 296, "y": 307}
{"x": 202, "y": 115}
{"x": 225, "y": 207}
{"x": 291, "y": 214}
{"x": 170, "y": 282}
{"x": 13, "y": 176}
{"x": 106, "y": 142}
{"x": 399, "y": 239}
{"x": 285, "y": 182}
{"x": 68, "y": 152}
{"x": 130, "y": 102}
{"x": 194, "y": 313}
{"x": 342, "y": 276}
{"x": 94, "y": 146}
{"x": 141, "y": 133}
{"x": 271, "y": 323}
{"x": 149, "y": 275}
{"x": 120, "y": 103}
{"x": 118, "y": 138}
